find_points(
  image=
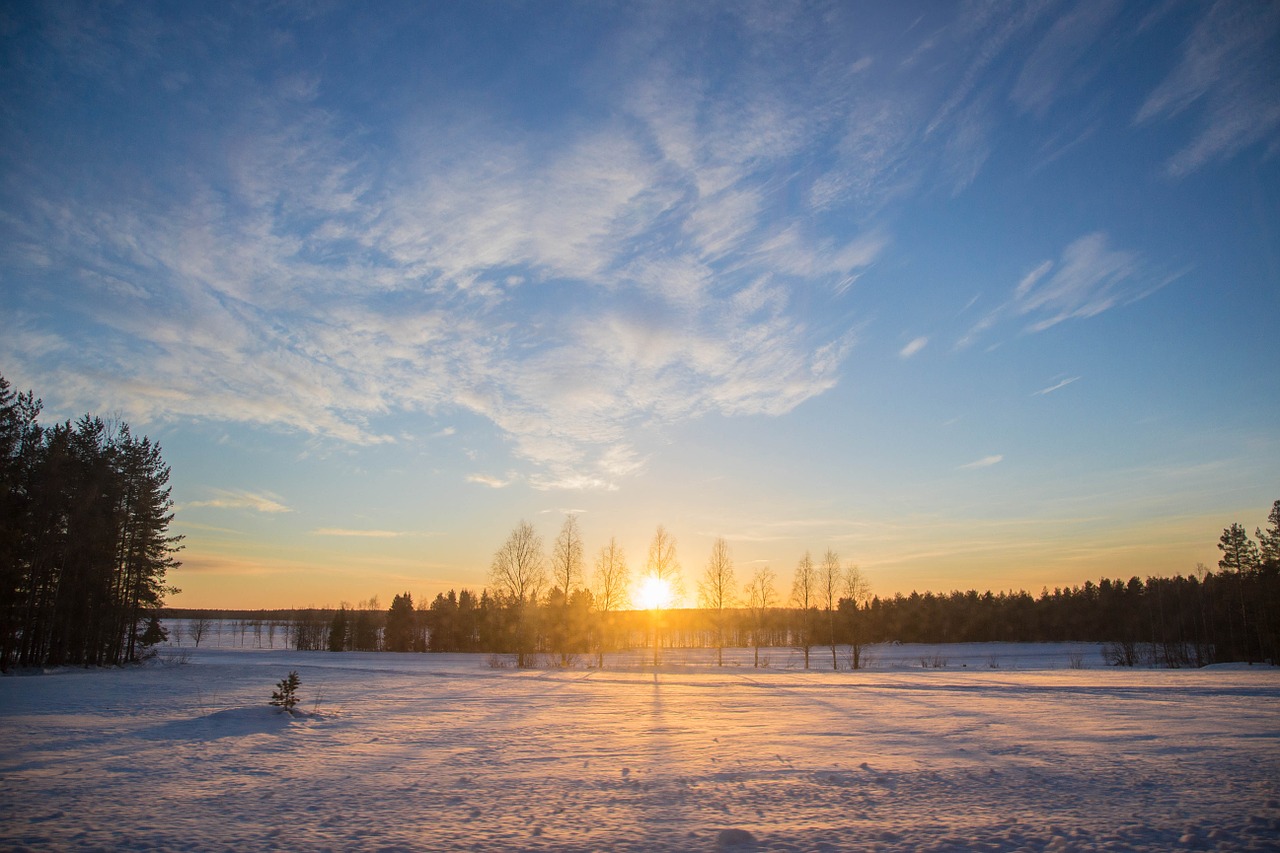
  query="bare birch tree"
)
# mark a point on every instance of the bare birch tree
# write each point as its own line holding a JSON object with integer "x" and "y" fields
{"x": 566, "y": 574}
{"x": 804, "y": 597}
{"x": 199, "y": 626}
{"x": 830, "y": 580}
{"x": 716, "y": 591}
{"x": 519, "y": 574}
{"x": 761, "y": 598}
{"x": 663, "y": 564}
{"x": 610, "y": 582}
{"x": 664, "y": 568}
{"x": 855, "y": 593}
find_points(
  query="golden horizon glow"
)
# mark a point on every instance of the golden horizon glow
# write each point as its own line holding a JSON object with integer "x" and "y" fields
{"x": 654, "y": 593}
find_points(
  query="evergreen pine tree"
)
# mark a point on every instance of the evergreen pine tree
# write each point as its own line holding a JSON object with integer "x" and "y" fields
{"x": 338, "y": 631}
{"x": 155, "y": 634}
{"x": 286, "y": 693}
{"x": 400, "y": 634}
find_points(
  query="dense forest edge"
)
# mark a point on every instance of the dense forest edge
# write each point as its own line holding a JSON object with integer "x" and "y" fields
{"x": 85, "y": 509}
{"x": 85, "y": 550}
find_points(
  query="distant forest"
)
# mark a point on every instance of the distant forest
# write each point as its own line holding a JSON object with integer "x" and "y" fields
{"x": 84, "y": 544}
{"x": 1227, "y": 615}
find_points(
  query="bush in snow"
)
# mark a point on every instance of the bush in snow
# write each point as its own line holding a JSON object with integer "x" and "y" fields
{"x": 1120, "y": 654}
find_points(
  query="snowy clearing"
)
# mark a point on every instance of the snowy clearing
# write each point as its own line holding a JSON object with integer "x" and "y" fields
{"x": 1003, "y": 748}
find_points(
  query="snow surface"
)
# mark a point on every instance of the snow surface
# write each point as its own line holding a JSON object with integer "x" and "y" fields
{"x": 1003, "y": 748}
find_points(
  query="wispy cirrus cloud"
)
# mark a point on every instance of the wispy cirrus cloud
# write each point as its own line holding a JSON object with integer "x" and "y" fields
{"x": 1229, "y": 74}
{"x": 984, "y": 462}
{"x": 239, "y": 499}
{"x": 490, "y": 481}
{"x": 671, "y": 246}
{"x": 297, "y": 280}
{"x": 1089, "y": 278}
{"x": 1057, "y": 386}
{"x": 1055, "y": 64}
{"x": 913, "y": 347}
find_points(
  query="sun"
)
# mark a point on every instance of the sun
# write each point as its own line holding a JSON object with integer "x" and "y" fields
{"x": 653, "y": 594}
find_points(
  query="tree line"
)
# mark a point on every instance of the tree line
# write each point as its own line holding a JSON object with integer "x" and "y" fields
{"x": 84, "y": 552}
{"x": 84, "y": 543}
{"x": 829, "y": 614}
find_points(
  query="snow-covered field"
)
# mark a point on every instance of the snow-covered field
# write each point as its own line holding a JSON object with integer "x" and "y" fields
{"x": 1003, "y": 748}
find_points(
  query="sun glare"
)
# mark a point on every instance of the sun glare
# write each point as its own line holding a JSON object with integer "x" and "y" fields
{"x": 654, "y": 593}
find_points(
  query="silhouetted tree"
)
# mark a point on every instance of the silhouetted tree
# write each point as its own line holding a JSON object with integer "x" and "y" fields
{"x": 609, "y": 584}
{"x": 442, "y": 620}
{"x": 20, "y": 449}
{"x": 519, "y": 574}
{"x": 84, "y": 544}
{"x": 455, "y": 623}
{"x": 366, "y": 626}
{"x": 401, "y": 633}
{"x": 309, "y": 630}
{"x": 566, "y": 576}
{"x": 470, "y": 619}
{"x": 761, "y": 598}
{"x": 1268, "y": 583}
{"x": 830, "y": 579}
{"x": 804, "y": 598}
{"x": 717, "y": 591}
{"x": 1239, "y": 559}
{"x": 855, "y": 594}
{"x": 664, "y": 568}
{"x": 577, "y": 624}
{"x": 338, "y": 630}
{"x": 1269, "y": 539}
{"x": 154, "y": 634}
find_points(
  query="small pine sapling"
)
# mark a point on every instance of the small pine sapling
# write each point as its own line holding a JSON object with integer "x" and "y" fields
{"x": 152, "y": 636}
{"x": 286, "y": 696}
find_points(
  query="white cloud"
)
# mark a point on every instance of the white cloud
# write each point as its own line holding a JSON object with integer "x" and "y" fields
{"x": 1230, "y": 73}
{"x": 1030, "y": 279}
{"x": 577, "y": 285}
{"x": 976, "y": 331}
{"x": 486, "y": 480}
{"x": 990, "y": 29}
{"x": 426, "y": 314}
{"x": 1088, "y": 279}
{"x": 1056, "y": 386}
{"x": 912, "y": 348}
{"x": 984, "y": 462}
{"x": 1071, "y": 38}
{"x": 239, "y": 499}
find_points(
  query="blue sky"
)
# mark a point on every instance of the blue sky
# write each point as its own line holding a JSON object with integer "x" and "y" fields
{"x": 979, "y": 295}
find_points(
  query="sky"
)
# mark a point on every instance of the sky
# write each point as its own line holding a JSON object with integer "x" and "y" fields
{"x": 977, "y": 295}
